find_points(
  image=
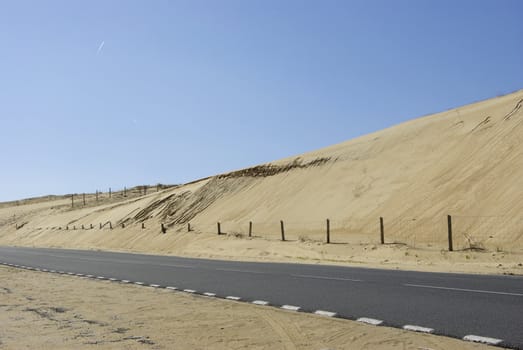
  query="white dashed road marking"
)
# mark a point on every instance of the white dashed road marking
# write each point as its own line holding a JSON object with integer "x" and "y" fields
{"x": 209, "y": 294}
{"x": 291, "y": 307}
{"x": 189, "y": 290}
{"x": 480, "y": 339}
{"x": 413, "y": 328}
{"x": 327, "y": 278}
{"x": 260, "y": 302}
{"x": 171, "y": 288}
{"x": 464, "y": 289}
{"x": 371, "y": 321}
{"x": 325, "y": 313}
{"x": 231, "y": 297}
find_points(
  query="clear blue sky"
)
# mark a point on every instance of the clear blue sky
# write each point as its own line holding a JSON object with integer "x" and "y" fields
{"x": 185, "y": 89}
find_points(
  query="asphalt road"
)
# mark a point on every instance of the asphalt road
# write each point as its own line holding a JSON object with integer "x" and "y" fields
{"x": 455, "y": 305}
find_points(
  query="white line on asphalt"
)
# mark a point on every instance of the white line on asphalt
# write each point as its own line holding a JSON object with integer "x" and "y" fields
{"x": 413, "y": 328}
{"x": 154, "y": 285}
{"x": 139, "y": 283}
{"x": 171, "y": 288}
{"x": 231, "y": 297}
{"x": 79, "y": 274}
{"x": 371, "y": 321}
{"x": 209, "y": 294}
{"x": 126, "y": 281}
{"x": 113, "y": 279}
{"x": 480, "y": 339}
{"x": 464, "y": 289}
{"x": 327, "y": 278}
{"x": 260, "y": 302}
{"x": 325, "y": 313}
{"x": 100, "y": 277}
{"x": 189, "y": 290}
{"x": 244, "y": 271}
{"x": 291, "y": 307}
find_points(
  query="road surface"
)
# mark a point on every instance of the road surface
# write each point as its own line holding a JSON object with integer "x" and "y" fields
{"x": 456, "y": 305}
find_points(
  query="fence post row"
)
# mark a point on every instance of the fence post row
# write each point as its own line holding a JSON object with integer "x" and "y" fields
{"x": 282, "y": 230}
{"x": 449, "y": 224}
{"x": 328, "y": 231}
{"x": 382, "y": 231}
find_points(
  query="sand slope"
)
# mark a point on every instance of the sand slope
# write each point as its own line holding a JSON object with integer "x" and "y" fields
{"x": 467, "y": 162}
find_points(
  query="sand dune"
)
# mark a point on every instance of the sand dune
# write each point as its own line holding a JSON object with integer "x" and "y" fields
{"x": 466, "y": 162}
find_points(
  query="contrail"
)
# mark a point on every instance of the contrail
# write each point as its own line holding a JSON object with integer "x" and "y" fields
{"x": 100, "y": 47}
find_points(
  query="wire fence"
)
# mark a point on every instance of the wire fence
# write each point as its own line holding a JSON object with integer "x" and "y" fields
{"x": 459, "y": 233}
{"x": 478, "y": 233}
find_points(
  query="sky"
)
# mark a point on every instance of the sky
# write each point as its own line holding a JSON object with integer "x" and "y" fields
{"x": 98, "y": 94}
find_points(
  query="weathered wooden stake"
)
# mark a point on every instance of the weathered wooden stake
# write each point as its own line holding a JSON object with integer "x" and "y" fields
{"x": 282, "y": 230}
{"x": 110, "y": 225}
{"x": 91, "y": 226}
{"x": 67, "y": 227}
{"x": 97, "y": 195}
{"x": 163, "y": 228}
{"x": 72, "y": 200}
{"x": 382, "y": 231}
{"x": 125, "y": 191}
{"x": 143, "y": 225}
{"x": 449, "y": 223}
{"x": 83, "y": 228}
{"x": 109, "y": 192}
{"x": 100, "y": 226}
{"x": 83, "y": 196}
{"x": 219, "y": 228}
{"x": 328, "y": 231}
{"x": 250, "y": 228}
{"x": 123, "y": 225}
{"x": 188, "y": 227}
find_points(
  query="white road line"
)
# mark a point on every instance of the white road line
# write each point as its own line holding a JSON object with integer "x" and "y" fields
{"x": 126, "y": 281}
{"x": 139, "y": 283}
{"x": 463, "y": 289}
{"x": 100, "y": 277}
{"x": 79, "y": 274}
{"x": 327, "y": 278}
{"x": 154, "y": 285}
{"x": 189, "y": 290}
{"x": 171, "y": 288}
{"x": 45, "y": 270}
{"x": 413, "y": 328}
{"x": 260, "y": 302}
{"x": 209, "y": 294}
{"x": 53, "y": 271}
{"x": 325, "y": 313}
{"x": 291, "y": 307}
{"x": 371, "y": 321}
{"x": 480, "y": 339}
{"x": 244, "y": 271}
{"x": 231, "y": 297}
{"x": 113, "y": 279}
{"x": 89, "y": 276}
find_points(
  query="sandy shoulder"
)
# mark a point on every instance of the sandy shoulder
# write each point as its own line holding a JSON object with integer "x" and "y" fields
{"x": 46, "y": 311}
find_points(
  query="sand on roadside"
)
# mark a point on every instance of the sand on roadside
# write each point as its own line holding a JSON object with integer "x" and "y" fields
{"x": 48, "y": 311}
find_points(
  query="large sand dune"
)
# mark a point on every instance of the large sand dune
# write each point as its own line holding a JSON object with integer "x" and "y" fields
{"x": 466, "y": 162}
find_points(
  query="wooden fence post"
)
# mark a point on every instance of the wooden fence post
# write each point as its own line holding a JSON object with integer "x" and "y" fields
{"x": 97, "y": 195}
{"x": 109, "y": 192}
{"x": 72, "y": 200}
{"x": 382, "y": 231}
{"x": 91, "y": 226}
{"x": 219, "y": 228}
{"x": 100, "y": 226}
{"x": 143, "y": 225}
{"x": 163, "y": 229}
{"x": 123, "y": 225}
{"x": 250, "y": 228}
{"x": 110, "y": 225}
{"x": 282, "y": 230}
{"x": 188, "y": 227}
{"x": 328, "y": 231}
{"x": 83, "y": 196}
{"x": 83, "y": 228}
{"x": 125, "y": 191}
{"x": 449, "y": 224}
